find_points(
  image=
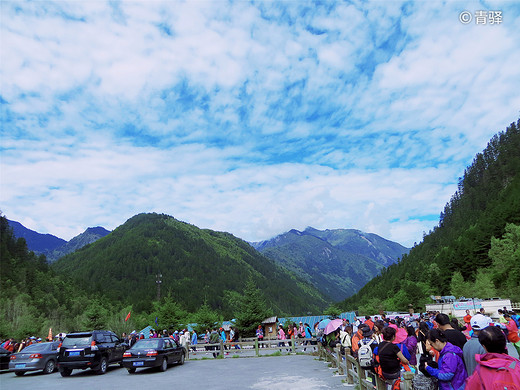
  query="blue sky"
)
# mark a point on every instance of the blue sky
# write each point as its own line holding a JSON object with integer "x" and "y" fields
{"x": 249, "y": 117}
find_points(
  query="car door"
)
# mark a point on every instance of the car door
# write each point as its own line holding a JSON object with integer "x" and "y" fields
{"x": 176, "y": 351}
{"x": 108, "y": 346}
{"x": 119, "y": 349}
{"x": 168, "y": 348}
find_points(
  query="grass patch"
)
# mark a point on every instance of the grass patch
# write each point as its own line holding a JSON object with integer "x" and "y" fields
{"x": 277, "y": 353}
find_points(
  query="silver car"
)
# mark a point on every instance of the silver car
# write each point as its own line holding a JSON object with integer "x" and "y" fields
{"x": 35, "y": 357}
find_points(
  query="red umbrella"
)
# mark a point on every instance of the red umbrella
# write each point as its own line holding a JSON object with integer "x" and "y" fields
{"x": 333, "y": 325}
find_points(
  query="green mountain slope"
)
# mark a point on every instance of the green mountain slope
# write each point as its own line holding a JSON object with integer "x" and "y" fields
{"x": 89, "y": 236}
{"x": 196, "y": 265}
{"x": 455, "y": 257}
{"x": 337, "y": 262}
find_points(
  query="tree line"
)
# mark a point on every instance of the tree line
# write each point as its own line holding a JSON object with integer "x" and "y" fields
{"x": 474, "y": 249}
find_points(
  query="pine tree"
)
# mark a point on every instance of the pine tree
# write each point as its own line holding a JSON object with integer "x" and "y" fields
{"x": 252, "y": 309}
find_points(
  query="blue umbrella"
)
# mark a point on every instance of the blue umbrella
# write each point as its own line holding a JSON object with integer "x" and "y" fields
{"x": 323, "y": 323}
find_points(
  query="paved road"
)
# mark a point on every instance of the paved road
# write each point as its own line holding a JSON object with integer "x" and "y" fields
{"x": 270, "y": 373}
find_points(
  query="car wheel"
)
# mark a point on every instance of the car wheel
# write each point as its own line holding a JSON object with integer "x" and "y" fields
{"x": 49, "y": 367}
{"x": 164, "y": 365}
{"x": 65, "y": 371}
{"x": 181, "y": 360}
{"x": 103, "y": 365}
{"x": 19, "y": 373}
{"x": 131, "y": 370}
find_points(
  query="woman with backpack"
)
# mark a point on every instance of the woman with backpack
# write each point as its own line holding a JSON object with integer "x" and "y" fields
{"x": 495, "y": 367}
{"x": 451, "y": 372}
{"x": 390, "y": 357}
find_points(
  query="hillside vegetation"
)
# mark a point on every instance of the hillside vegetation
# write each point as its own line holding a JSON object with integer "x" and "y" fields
{"x": 474, "y": 251}
{"x": 196, "y": 265}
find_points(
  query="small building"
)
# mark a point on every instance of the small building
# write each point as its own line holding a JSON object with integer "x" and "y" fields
{"x": 270, "y": 326}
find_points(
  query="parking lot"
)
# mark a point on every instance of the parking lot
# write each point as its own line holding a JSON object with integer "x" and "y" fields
{"x": 275, "y": 372}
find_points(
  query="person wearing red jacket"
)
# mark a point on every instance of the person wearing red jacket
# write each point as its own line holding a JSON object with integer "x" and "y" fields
{"x": 512, "y": 332}
{"x": 369, "y": 322}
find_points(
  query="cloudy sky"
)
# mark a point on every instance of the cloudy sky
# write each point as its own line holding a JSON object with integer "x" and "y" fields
{"x": 249, "y": 117}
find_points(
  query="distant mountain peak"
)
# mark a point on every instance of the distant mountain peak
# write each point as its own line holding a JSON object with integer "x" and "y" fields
{"x": 97, "y": 230}
{"x": 337, "y": 261}
{"x": 53, "y": 247}
{"x": 37, "y": 242}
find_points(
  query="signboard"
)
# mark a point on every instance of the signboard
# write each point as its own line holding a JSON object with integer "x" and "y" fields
{"x": 467, "y": 305}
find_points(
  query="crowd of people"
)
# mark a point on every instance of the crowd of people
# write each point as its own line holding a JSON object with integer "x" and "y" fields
{"x": 473, "y": 355}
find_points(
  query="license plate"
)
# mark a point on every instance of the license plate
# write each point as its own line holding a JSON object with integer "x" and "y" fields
{"x": 19, "y": 365}
{"x": 74, "y": 353}
{"x": 137, "y": 364}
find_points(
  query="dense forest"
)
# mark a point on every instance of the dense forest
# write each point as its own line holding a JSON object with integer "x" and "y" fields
{"x": 475, "y": 249}
{"x": 197, "y": 265}
{"x": 35, "y": 298}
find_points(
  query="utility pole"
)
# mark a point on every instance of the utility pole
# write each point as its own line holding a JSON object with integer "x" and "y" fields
{"x": 158, "y": 281}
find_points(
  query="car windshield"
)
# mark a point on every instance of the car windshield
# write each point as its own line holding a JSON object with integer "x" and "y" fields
{"x": 146, "y": 344}
{"x": 76, "y": 341}
{"x": 37, "y": 347}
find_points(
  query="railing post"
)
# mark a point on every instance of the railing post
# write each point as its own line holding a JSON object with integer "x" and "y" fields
{"x": 339, "y": 360}
{"x": 350, "y": 367}
{"x": 257, "y": 351}
{"x": 188, "y": 350}
{"x": 380, "y": 384}
{"x": 222, "y": 347}
{"x": 408, "y": 377}
{"x": 293, "y": 345}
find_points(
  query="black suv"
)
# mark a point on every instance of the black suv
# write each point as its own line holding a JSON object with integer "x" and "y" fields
{"x": 96, "y": 350}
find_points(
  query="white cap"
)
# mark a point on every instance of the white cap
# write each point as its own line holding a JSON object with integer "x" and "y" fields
{"x": 479, "y": 321}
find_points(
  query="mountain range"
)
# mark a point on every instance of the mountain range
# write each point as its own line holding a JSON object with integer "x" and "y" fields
{"x": 54, "y": 247}
{"x": 196, "y": 266}
{"x": 338, "y": 262}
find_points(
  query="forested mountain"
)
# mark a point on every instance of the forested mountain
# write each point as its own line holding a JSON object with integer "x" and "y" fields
{"x": 33, "y": 297}
{"x": 338, "y": 262}
{"x": 196, "y": 266}
{"x": 475, "y": 249}
{"x": 53, "y": 247}
{"x": 92, "y": 234}
{"x": 37, "y": 242}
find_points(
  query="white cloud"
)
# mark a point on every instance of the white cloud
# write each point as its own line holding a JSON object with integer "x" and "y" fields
{"x": 233, "y": 117}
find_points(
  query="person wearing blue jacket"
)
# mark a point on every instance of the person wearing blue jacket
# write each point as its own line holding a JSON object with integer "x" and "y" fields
{"x": 451, "y": 372}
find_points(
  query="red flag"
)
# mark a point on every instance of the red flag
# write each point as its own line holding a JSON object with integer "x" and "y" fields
{"x": 127, "y": 316}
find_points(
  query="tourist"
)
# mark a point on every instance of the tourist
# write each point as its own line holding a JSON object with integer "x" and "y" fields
{"x": 451, "y": 371}
{"x": 411, "y": 344}
{"x": 454, "y": 336}
{"x": 390, "y": 356}
{"x": 473, "y": 346}
{"x": 487, "y": 374}
{"x": 260, "y": 335}
{"x": 281, "y": 336}
{"x": 512, "y": 332}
